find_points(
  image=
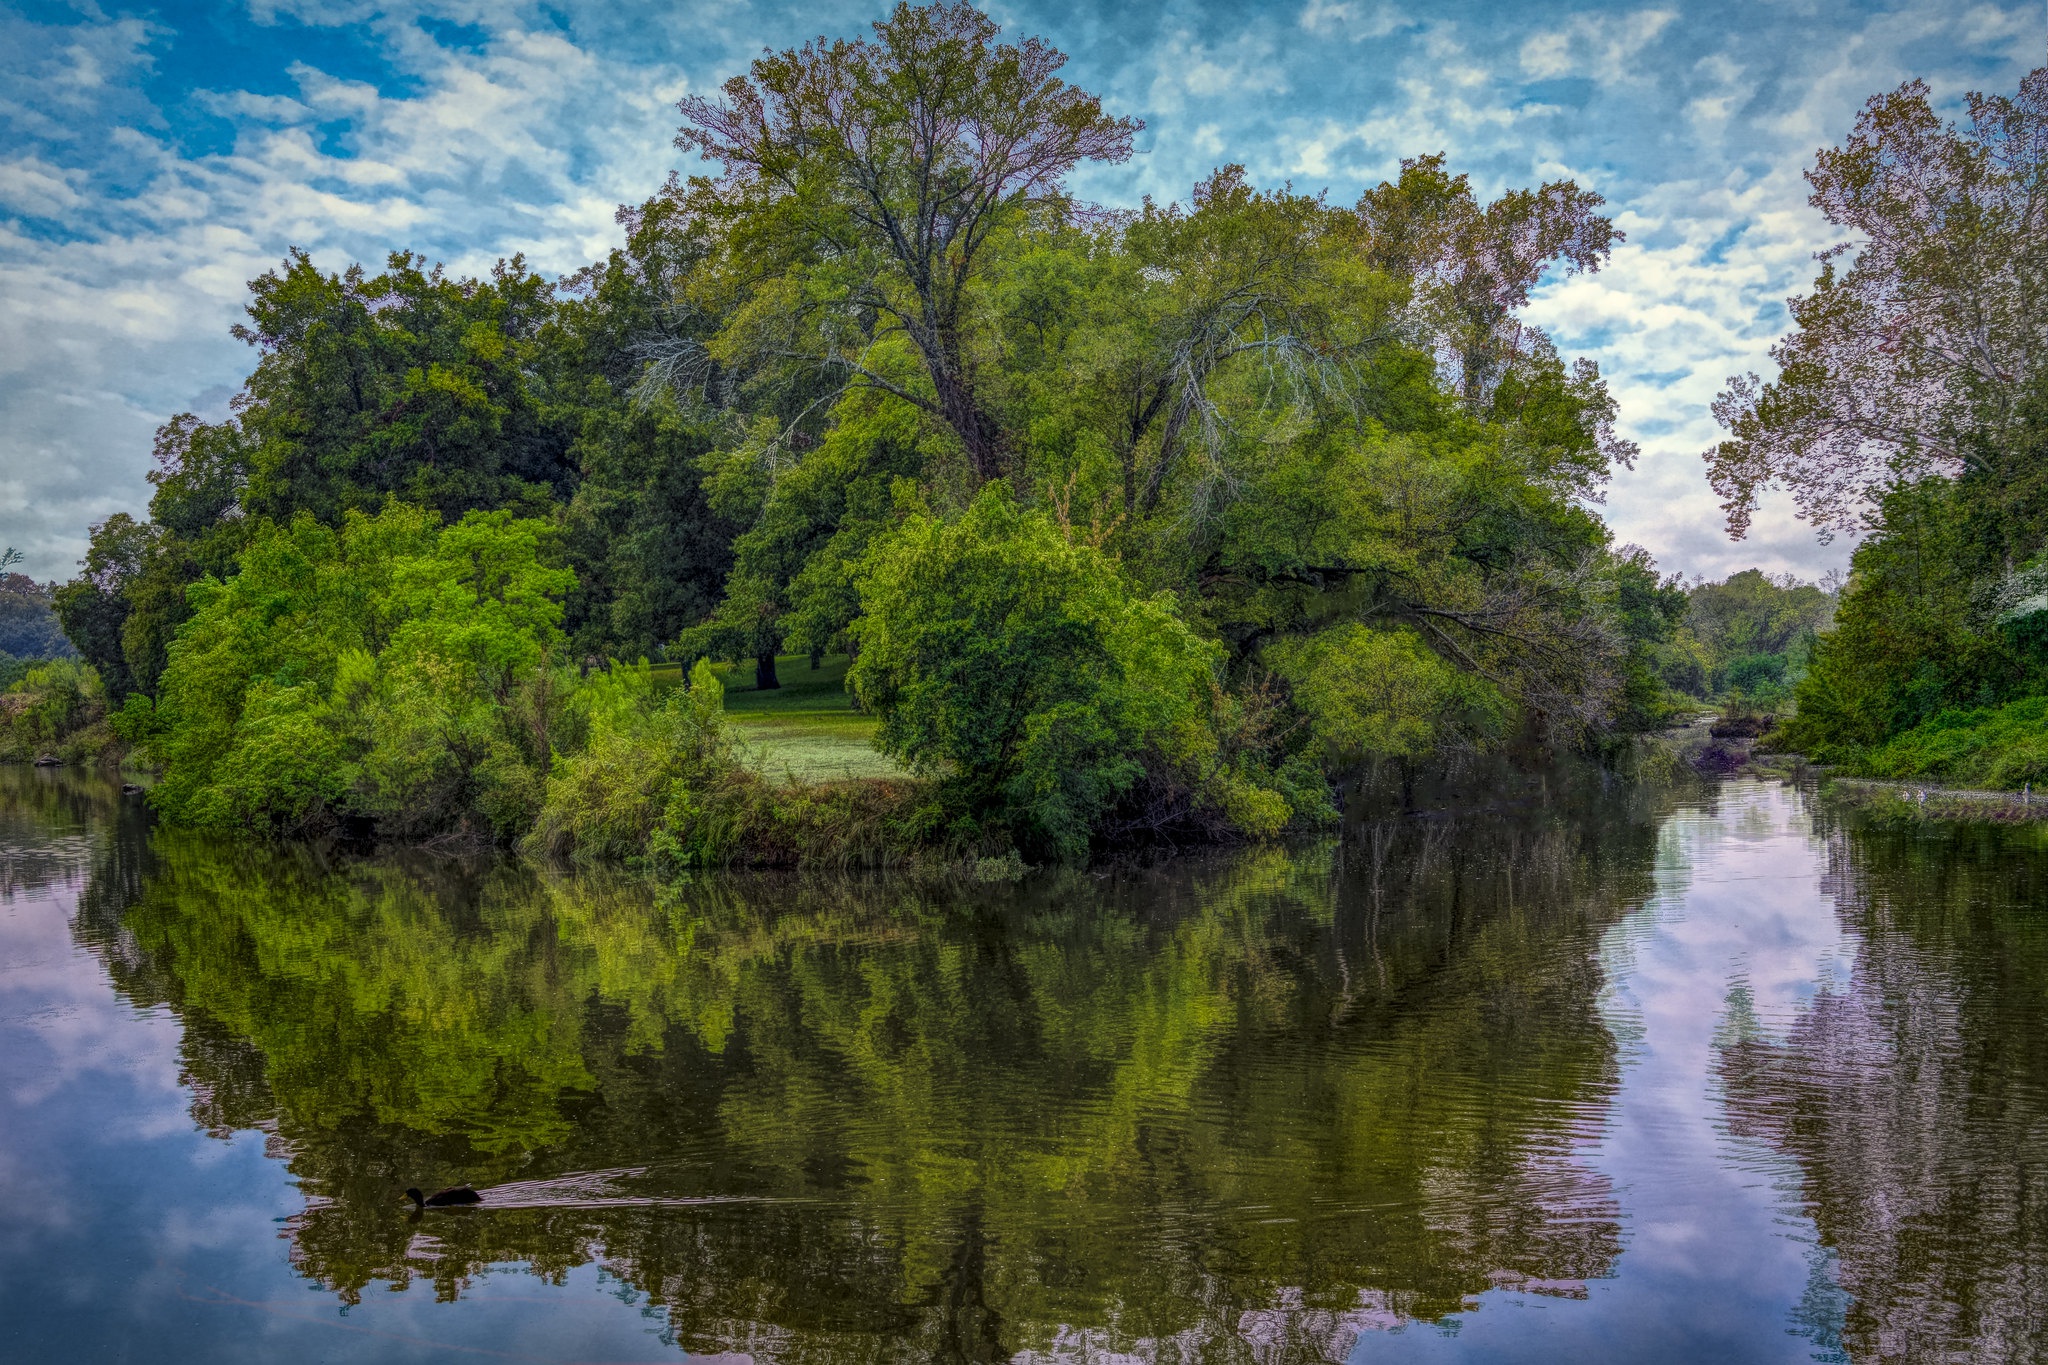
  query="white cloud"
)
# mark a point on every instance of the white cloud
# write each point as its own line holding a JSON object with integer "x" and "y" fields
{"x": 1604, "y": 47}
{"x": 1189, "y": 72}
{"x": 525, "y": 145}
{"x": 1338, "y": 18}
{"x": 32, "y": 186}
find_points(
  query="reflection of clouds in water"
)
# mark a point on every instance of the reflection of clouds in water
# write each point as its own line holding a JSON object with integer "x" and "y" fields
{"x": 1290, "y": 1330}
{"x": 1710, "y": 1266}
{"x": 1910, "y": 1094}
{"x": 61, "y": 1023}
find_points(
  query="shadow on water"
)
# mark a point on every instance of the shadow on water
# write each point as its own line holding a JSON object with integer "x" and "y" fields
{"x": 1258, "y": 1102}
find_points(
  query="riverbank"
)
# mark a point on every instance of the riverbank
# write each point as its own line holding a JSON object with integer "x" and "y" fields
{"x": 1926, "y": 802}
{"x": 1891, "y": 800}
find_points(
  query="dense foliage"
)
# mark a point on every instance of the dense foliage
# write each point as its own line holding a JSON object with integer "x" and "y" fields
{"x": 1912, "y": 402}
{"x": 1136, "y": 523}
{"x": 1746, "y": 639}
{"x": 392, "y": 671}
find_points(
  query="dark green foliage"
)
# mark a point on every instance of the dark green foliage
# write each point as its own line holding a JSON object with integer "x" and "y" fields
{"x": 1998, "y": 747}
{"x": 1648, "y": 608}
{"x": 406, "y": 384}
{"x": 1752, "y": 673}
{"x": 649, "y": 552}
{"x": 1919, "y": 631}
{"x": 792, "y": 584}
{"x": 28, "y": 626}
{"x": 94, "y": 607}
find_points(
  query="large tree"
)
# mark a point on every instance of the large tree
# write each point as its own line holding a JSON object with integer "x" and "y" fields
{"x": 863, "y": 184}
{"x": 1923, "y": 339}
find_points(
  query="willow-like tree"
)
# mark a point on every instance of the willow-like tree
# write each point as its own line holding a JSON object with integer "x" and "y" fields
{"x": 863, "y": 183}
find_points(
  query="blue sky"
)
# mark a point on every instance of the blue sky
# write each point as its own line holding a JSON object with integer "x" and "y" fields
{"x": 152, "y": 160}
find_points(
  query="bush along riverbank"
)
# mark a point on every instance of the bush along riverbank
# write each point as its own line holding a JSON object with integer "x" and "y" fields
{"x": 56, "y": 712}
{"x": 1980, "y": 764}
{"x": 1919, "y": 803}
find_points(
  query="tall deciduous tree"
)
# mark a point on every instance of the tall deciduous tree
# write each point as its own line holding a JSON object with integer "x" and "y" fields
{"x": 864, "y": 181}
{"x": 1474, "y": 266}
{"x": 1919, "y": 357}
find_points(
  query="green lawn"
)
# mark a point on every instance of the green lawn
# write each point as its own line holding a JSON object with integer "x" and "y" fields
{"x": 807, "y": 728}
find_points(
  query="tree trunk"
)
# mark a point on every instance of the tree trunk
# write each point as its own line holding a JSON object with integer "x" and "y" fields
{"x": 764, "y": 672}
{"x": 954, "y": 388}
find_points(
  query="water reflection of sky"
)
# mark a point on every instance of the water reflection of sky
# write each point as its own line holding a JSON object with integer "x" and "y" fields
{"x": 127, "y": 1233}
{"x": 1718, "y": 1262}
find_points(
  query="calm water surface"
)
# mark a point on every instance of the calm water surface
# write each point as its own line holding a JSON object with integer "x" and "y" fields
{"x": 1716, "y": 1079}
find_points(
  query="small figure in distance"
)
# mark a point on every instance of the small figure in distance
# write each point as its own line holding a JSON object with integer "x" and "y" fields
{"x": 455, "y": 1196}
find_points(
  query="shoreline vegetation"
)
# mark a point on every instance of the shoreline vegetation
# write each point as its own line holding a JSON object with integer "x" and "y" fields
{"x": 787, "y": 534}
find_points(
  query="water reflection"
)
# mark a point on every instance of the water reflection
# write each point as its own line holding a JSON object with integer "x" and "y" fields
{"x": 1259, "y": 1103}
{"x": 1913, "y": 1094}
{"x": 1591, "y": 1079}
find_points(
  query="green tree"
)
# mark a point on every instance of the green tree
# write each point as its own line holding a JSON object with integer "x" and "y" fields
{"x": 405, "y": 383}
{"x": 94, "y": 607}
{"x": 1014, "y": 661}
{"x": 863, "y": 185}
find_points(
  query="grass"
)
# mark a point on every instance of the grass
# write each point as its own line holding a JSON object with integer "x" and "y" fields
{"x": 807, "y": 728}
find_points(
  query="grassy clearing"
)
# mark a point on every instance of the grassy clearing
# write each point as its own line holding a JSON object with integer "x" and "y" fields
{"x": 806, "y": 729}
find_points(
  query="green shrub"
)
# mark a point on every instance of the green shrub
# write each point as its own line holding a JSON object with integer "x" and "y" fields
{"x": 56, "y": 708}
{"x": 394, "y": 672}
{"x": 1754, "y": 674}
{"x": 2003, "y": 747}
{"x": 643, "y": 752}
{"x": 1017, "y": 667}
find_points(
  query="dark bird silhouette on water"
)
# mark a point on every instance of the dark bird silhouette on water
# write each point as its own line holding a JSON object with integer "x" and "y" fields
{"x": 455, "y": 1196}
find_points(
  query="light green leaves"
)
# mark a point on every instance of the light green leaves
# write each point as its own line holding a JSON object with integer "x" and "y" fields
{"x": 393, "y": 672}
{"x": 1384, "y": 695}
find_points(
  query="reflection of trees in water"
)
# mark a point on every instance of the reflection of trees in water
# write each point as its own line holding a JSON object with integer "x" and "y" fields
{"x": 1912, "y": 1097}
{"x": 53, "y": 827}
{"x": 1243, "y": 1106}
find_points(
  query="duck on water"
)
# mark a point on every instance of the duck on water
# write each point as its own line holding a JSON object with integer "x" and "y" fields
{"x": 455, "y": 1196}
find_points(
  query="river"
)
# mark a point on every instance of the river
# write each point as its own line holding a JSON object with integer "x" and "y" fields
{"x": 1698, "y": 1077}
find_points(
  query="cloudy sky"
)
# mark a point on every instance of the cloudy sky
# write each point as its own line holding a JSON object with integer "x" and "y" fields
{"x": 153, "y": 160}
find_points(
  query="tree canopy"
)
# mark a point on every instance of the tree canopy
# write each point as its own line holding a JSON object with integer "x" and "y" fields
{"x": 1123, "y": 514}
